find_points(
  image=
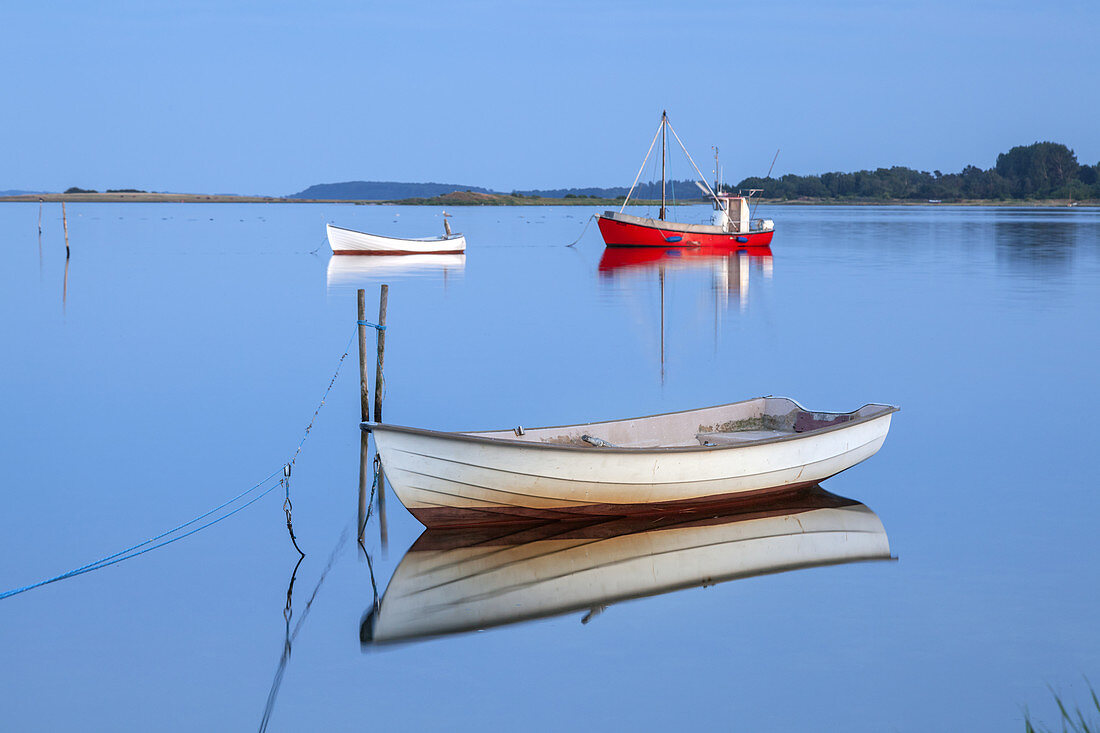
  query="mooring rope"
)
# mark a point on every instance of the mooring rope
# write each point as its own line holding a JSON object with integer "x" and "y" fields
{"x": 148, "y": 545}
{"x": 582, "y": 231}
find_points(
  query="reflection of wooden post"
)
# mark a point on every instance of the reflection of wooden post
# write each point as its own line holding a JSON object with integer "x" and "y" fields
{"x": 40, "y": 238}
{"x": 383, "y": 301}
{"x": 383, "y": 530}
{"x": 364, "y": 398}
{"x": 364, "y": 462}
{"x": 65, "y": 223}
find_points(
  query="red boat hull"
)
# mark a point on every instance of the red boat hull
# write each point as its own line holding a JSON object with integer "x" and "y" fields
{"x": 627, "y": 234}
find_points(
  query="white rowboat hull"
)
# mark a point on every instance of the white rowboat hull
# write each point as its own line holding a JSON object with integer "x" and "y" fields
{"x": 350, "y": 242}
{"x": 458, "y": 479}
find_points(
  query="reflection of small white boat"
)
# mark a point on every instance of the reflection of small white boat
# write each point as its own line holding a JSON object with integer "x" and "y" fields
{"x": 354, "y": 271}
{"x": 350, "y": 242}
{"x": 451, "y": 582}
{"x": 680, "y": 461}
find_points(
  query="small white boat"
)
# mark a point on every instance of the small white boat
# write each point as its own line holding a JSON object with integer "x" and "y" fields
{"x": 454, "y": 581}
{"x": 350, "y": 242}
{"x": 682, "y": 461}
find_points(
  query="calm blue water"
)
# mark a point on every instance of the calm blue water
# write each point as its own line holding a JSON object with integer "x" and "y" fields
{"x": 182, "y": 357}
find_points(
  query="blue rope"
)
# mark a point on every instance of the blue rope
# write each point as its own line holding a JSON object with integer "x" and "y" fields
{"x": 125, "y": 554}
{"x": 129, "y": 552}
{"x": 372, "y": 325}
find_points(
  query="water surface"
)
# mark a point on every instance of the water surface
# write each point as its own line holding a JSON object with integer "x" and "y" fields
{"x": 179, "y": 358}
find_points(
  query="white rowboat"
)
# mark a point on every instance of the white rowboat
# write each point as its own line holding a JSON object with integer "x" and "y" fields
{"x": 682, "y": 461}
{"x": 454, "y": 581}
{"x": 350, "y": 242}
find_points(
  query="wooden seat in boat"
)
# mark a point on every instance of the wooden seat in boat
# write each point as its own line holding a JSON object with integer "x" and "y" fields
{"x": 740, "y": 436}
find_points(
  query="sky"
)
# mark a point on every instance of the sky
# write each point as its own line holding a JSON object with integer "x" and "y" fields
{"x": 269, "y": 98}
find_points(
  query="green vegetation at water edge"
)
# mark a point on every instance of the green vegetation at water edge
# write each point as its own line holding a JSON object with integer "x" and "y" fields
{"x": 1025, "y": 173}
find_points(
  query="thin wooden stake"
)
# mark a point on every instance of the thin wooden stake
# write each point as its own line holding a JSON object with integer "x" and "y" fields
{"x": 40, "y": 218}
{"x": 382, "y": 302}
{"x": 364, "y": 397}
{"x": 65, "y": 223}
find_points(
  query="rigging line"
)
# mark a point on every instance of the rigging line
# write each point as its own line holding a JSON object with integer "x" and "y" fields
{"x": 692, "y": 161}
{"x": 642, "y": 167}
{"x": 653, "y": 186}
{"x": 776, "y": 157}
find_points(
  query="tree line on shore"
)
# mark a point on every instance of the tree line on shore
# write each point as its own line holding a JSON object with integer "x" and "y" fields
{"x": 1042, "y": 170}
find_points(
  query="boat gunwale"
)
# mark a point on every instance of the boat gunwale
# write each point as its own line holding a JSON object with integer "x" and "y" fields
{"x": 666, "y": 225}
{"x": 442, "y": 238}
{"x": 466, "y": 436}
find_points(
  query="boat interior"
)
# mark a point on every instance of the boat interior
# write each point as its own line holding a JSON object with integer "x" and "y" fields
{"x": 756, "y": 420}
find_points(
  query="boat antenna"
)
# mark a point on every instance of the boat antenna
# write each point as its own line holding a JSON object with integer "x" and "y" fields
{"x": 774, "y": 158}
{"x": 642, "y": 167}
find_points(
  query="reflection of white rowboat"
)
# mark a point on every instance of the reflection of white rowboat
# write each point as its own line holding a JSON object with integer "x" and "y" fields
{"x": 354, "y": 271}
{"x": 350, "y": 242}
{"x": 680, "y": 461}
{"x": 451, "y": 582}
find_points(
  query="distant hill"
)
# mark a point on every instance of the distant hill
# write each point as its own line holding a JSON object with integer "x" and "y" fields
{"x": 17, "y": 192}
{"x": 685, "y": 189}
{"x": 381, "y": 190}
{"x": 393, "y": 191}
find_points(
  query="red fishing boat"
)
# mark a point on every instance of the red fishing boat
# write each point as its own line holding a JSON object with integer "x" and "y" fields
{"x": 732, "y": 225}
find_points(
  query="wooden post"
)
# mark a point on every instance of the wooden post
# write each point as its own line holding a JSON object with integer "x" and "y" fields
{"x": 65, "y": 223}
{"x": 383, "y": 300}
{"x": 364, "y": 398}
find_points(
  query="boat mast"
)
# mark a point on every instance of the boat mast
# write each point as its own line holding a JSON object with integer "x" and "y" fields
{"x": 664, "y": 124}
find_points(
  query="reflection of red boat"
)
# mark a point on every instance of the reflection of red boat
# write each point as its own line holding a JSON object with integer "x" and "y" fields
{"x": 625, "y": 258}
{"x": 732, "y": 225}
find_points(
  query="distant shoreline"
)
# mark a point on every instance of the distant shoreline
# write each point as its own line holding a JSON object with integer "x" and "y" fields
{"x": 463, "y": 198}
